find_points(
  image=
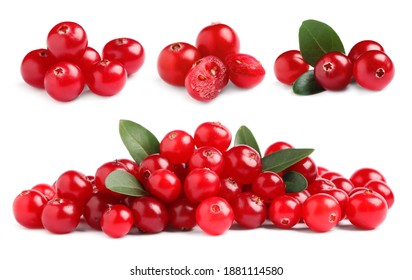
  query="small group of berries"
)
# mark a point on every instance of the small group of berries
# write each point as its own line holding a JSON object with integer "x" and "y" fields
{"x": 202, "y": 181}
{"x": 68, "y": 64}
{"x": 205, "y": 69}
{"x": 366, "y": 63}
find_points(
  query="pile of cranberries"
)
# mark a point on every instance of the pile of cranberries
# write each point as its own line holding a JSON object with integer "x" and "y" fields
{"x": 205, "y": 69}
{"x": 68, "y": 64}
{"x": 366, "y": 62}
{"x": 200, "y": 180}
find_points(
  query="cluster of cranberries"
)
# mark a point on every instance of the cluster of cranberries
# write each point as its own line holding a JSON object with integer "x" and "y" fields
{"x": 366, "y": 62}
{"x": 68, "y": 64}
{"x": 202, "y": 181}
{"x": 205, "y": 69}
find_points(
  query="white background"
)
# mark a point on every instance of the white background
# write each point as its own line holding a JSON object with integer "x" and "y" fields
{"x": 41, "y": 138}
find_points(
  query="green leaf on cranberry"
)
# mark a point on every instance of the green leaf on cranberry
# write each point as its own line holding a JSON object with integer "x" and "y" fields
{"x": 306, "y": 84}
{"x": 282, "y": 159}
{"x": 294, "y": 181}
{"x": 245, "y": 137}
{"x": 123, "y": 182}
{"x": 139, "y": 141}
{"x": 317, "y": 39}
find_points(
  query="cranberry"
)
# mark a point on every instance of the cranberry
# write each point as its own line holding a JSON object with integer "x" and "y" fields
{"x": 268, "y": 185}
{"x": 383, "y": 189}
{"x": 67, "y": 41}
{"x": 106, "y": 77}
{"x": 64, "y": 81}
{"x": 207, "y": 157}
{"x": 103, "y": 171}
{"x": 363, "y": 46}
{"x": 206, "y": 79}
{"x": 175, "y": 61}
{"x": 307, "y": 168}
{"x": 182, "y": 214}
{"x": 94, "y": 208}
{"x": 243, "y": 164}
{"x": 149, "y": 214}
{"x": 35, "y": 65}
{"x": 213, "y": 134}
{"x": 229, "y": 189}
{"x": 342, "y": 197}
{"x": 28, "y": 207}
{"x": 249, "y": 210}
{"x": 200, "y": 184}
{"x": 343, "y": 184}
{"x": 373, "y": 70}
{"x": 321, "y": 212}
{"x": 177, "y": 146}
{"x": 245, "y": 71}
{"x": 131, "y": 165}
{"x": 61, "y": 216}
{"x": 217, "y": 39}
{"x": 129, "y": 52}
{"x": 285, "y": 211}
{"x": 74, "y": 186}
{"x": 331, "y": 175}
{"x": 333, "y": 71}
{"x": 152, "y": 163}
{"x": 362, "y": 176}
{"x": 164, "y": 185}
{"x": 320, "y": 185}
{"x": 48, "y": 191}
{"x": 214, "y": 215}
{"x": 116, "y": 221}
{"x": 289, "y": 66}
{"x": 90, "y": 57}
{"x": 280, "y": 145}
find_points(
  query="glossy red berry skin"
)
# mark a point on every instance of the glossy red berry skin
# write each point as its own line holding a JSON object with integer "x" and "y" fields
{"x": 243, "y": 164}
{"x": 217, "y": 39}
{"x": 164, "y": 185}
{"x": 182, "y": 214}
{"x": 207, "y": 157}
{"x": 90, "y": 57}
{"x": 373, "y": 70}
{"x": 268, "y": 185}
{"x": 67, "y": 41}
{"x": 131, "y": 165}
{"x": 343, "y": 184}
{"x": 106, "y": 77}
{"x": 285, "y": 211}
{"x": 64, "y": 81}
{"x": 101, "y": 174}
{"x": 129, "y": 52}
{"x": 152, "y": 163}
{"x": 229, "y": 189}
{"x": 200, "y": 184}
{"x": 321, "y": 212}
{"x": 35, "y": 65}
{"x": 277, "y": 146}
{"x": 175, "y": 61}
{"x": 362, "y": 176}
{"x": 149, "y": 214}
{"x": 320, "y": 185}
{"x": 362, "y": 47}
{"x": 74, "y": 186}
{"x": 95, "y": 207}
{"x": 366, "y": 209}
{"x": 28, "y": 207}
{"x": 333, "y": 71}
{"x": 300, "y": 196}
{"x": 245, "y": 71}
{"x": 383, "y": 189}
{"x": 307, "y": 168}
{"x": 289, "y": 66}
{"x": 48, "y": 191}
{"x": 177, "y": 146}
{"x": 206, "y": 79}
{"x": 61, "y": 216}
{"x": 342, "y": 197}
{"x": 250, "y": 211}
{"x": 117, "y": 221}
{"x": 213, "y": 134}
{"x": 214, "y": 215}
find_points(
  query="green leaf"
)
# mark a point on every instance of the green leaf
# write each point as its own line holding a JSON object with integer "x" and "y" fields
{"x": 139, "y": 141}
{"x": 317, "y": 39}
{"x": 306, "y": 84}
{"x": 282, "y": 159}
{"x": 244, "y": 136}
{"x": 294, "y": 181}
{"x": 123, "y": 182}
